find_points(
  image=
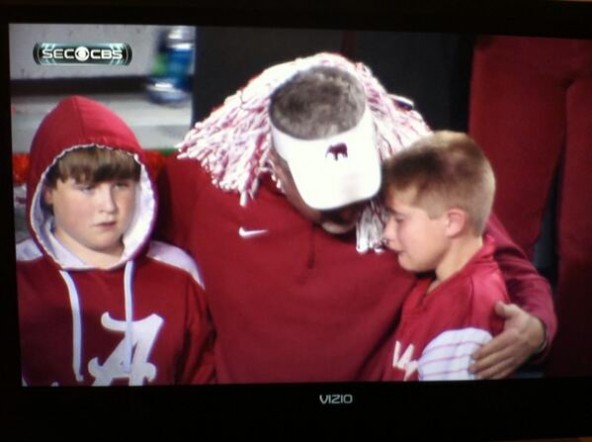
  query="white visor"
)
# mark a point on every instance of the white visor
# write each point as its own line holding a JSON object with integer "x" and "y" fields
{"x": 335, "y": 171}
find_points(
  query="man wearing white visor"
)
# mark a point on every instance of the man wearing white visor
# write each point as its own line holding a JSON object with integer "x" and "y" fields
{"x": 329, "y": 159}
{"x": 275, "y": 196}
{"x": 323, "y": 140}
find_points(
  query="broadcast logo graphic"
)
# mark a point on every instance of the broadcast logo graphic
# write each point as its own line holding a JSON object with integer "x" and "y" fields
{"x": 115, "y": 54}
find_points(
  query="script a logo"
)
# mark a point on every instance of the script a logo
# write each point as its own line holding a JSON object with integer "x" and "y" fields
{"x": 336, "y": 399}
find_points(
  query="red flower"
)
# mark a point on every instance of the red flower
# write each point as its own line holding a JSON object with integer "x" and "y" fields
{"x": 20, "y": 168}
{"x": 154, "y": 161}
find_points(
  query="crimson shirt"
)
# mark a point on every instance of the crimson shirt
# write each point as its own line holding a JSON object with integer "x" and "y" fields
{"x": 439, "y": 330}
{"x": 294, "y": 303}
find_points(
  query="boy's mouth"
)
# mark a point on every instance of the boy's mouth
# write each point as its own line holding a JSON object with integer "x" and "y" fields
{"x": 106, "y": 224}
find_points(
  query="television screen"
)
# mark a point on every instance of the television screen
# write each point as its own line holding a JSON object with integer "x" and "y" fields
{"x": 282, "y": 318}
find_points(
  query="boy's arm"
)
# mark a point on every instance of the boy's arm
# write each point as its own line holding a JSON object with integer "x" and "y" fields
{"x": 530, "y": 322}
{"x": 447, "y": 356}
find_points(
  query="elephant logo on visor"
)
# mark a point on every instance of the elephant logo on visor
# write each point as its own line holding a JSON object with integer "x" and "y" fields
{"x": 338, "y": 150}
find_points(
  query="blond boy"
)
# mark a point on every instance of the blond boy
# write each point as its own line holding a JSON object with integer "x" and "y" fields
{"x": 438, "y": 196}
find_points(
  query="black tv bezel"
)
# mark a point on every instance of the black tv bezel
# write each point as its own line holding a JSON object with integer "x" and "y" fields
{"x": 487, "y": 410}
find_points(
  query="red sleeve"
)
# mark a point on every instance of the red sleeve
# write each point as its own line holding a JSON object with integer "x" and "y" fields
{"x": 177, "y": 192}
{"x": 526, "y": 287}
{"x": 197, "y": 365}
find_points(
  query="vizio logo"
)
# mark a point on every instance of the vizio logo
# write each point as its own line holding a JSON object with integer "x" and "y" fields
{"x": 336, "y": 399}
{"x": 117, "y": 54}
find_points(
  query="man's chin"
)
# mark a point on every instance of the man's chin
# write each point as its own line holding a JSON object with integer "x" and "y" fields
{"x": 338, "y": 229}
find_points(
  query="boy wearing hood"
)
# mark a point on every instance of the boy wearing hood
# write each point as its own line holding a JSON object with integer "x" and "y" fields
{"x": 99, "y": 303}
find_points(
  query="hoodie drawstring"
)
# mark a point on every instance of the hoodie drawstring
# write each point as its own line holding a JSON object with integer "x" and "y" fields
{"x": 129, "y": 315}
{"x": 76, "y": 325}
{"x": 77, "y": 322}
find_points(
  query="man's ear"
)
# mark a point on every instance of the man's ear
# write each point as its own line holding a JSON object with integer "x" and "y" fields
{"x": 456, "y": 221}
{"x": 280, "y": 167}
{"x": 275, "y": 158}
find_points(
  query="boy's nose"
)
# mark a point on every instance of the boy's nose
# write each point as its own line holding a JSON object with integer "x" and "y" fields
{"x": 389, "y": 237}
{"x": 107, "y": 200}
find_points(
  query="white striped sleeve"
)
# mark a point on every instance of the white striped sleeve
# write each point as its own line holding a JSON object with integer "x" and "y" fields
{"x": 27, "y": 250}
{"x": 176, "y": 257}
{"x": 448, "y": 356}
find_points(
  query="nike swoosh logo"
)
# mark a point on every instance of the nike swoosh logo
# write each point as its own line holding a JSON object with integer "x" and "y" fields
{"x": 244, "y": 233}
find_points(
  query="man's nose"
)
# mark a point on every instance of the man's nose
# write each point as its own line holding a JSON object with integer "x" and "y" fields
{"x": 346, "y": 213}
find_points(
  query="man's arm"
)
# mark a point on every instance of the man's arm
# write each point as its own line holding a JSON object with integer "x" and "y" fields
{"x": 177, "y": 193}
{"x": 530, "y": 323}
{"x": 197, "y": 364}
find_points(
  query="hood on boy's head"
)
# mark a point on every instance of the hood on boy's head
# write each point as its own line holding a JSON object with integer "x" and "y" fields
{"x": 78, "y": 122}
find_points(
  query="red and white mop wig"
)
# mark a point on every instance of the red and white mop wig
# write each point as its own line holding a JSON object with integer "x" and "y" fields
{"x": 234, "y": 141}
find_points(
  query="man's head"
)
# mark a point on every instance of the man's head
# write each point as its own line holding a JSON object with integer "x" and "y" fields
{"x": 235, "y": 144}
{"x": 439, "y": 189}
{"x": 324, "y": 150}
{"x": 91, "y": 193}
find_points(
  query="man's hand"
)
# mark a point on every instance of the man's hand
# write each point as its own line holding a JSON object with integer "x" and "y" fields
{"x": 523, "y": 335}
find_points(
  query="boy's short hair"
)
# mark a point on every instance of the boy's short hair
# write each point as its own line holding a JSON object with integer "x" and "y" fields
{"x": 446, "y": 170}
{"x": 317, "y": 103}
{"x": 92, "y": 165}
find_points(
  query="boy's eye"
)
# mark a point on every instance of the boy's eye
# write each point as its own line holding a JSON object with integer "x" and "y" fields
{"x": 85, "y": 187}
{"x": 122, "y": 184}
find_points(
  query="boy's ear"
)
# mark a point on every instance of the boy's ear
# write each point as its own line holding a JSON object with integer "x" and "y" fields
{"x": 48, "y": 195}
{"x": 456, "y": 221}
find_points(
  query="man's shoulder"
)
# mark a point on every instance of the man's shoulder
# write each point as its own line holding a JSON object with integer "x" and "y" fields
{"x": 177, "y": 162}
{"x": 185, "y": 173}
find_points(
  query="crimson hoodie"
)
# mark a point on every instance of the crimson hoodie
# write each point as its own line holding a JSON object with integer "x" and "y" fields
{"x": 142, "y": 321}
